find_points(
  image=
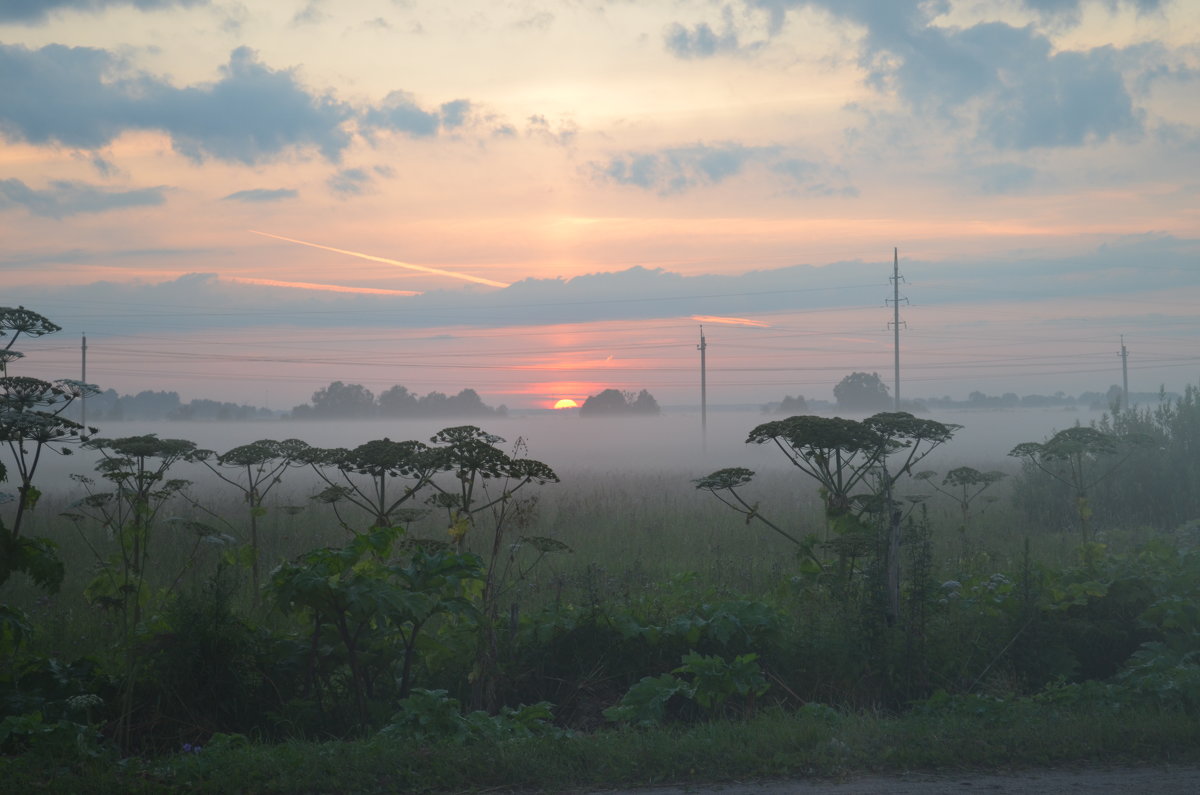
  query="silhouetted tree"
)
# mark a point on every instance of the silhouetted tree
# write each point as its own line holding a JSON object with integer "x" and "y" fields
{"x": 862, "y": 392}
{"x": 397, "y": 401}
{"x": 645, "y": 403}
{"x": 789, "y": 405}
{"x": 612, "y": 402}
{"x": 339, "y": 400}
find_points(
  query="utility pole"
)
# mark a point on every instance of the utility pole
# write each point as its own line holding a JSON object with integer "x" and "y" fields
{"x": 1124, "y": 375}
{"x": 702, "y": 347}
{"x": 83, "y": 378}
{"x": 895, "y": 324}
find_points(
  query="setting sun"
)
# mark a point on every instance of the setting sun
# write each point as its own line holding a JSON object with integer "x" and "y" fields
{"x": 566, "y": 403}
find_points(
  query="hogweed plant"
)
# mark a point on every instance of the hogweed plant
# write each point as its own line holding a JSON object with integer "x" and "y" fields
{"x": 843, "y": 456}
{"x": 378, "y": 477}
{"x": 374, "y": 604}
{"x": 965, "y": 486}
{"x": 254, "y": 470}
{"x": 485, "y": 482}
{"x": 31, "y": 425}
{"x": 135, "y": 469}
{"x": 1080, "y": 458}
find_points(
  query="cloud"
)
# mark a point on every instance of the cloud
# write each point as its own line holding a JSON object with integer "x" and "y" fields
{"x": 47, "y": 261}
{"x": 64, "y": 95}
{"x": 1061, "y": 100}
{"x": 34, "y": 12}
{"x": 349, "y": 182}
{"x": 399, "y": 112}
{"x": 311, "y": 14}
{"x": 255, "y": 195}
{"x": 1179, "y": 137}
{"x": 1010, "y": 83}
{"x": 540, "y": 127}
{"x": 699, "y": 42}
{"x": 454, "y": 113}
{"x": 86, "y": 97}
{"x": 251, "y": 114}
{"x": 1070, "y": 10}
{"x": 1001, "y": 178}
{"x": 539, "y": 20}
{"x": 65, "y": 198}
{"x": 103, "y": 165}
{"x": 676, "y": 170}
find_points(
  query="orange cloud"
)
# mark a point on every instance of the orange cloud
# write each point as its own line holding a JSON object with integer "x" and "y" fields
{"x": 332, "y": 288}
{"x": 422, "y": 268}
{"x": 732, "y": 321}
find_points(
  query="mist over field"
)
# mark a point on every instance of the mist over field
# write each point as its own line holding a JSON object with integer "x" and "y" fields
{"x": 577, "y": 447}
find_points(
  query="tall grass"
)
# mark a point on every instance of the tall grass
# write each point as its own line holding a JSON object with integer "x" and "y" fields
{"x": 629, "y": 532}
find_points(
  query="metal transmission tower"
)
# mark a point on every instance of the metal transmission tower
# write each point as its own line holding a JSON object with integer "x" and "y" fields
{"x": 1124, "y": 374}
{"x": 896, "y": 322}
{"x": 702, "y": 347}
{"x": 83, "y": 378}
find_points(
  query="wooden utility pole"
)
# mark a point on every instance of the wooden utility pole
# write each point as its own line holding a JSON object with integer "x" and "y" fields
{"x": 1124, "y": 375}
{"x": 703, "y": 347}
{"x": 895, "y": 324}
{"x": 83, "y": 378}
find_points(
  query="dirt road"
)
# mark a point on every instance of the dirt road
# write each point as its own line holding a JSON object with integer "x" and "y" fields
{"x": 1162, "y": 780}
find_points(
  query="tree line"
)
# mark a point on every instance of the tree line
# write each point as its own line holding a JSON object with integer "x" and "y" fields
{"x": 160, "y": 405}
{"x": 340, "y": 400}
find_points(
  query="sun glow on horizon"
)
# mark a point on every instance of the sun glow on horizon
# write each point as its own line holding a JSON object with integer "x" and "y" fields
{"x": 566, "y": 403}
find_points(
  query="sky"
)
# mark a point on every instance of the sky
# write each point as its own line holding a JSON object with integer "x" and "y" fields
{"x": 539, "y": 200}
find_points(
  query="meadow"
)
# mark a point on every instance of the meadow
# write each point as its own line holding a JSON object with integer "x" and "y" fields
{"x": 607, "y": 622}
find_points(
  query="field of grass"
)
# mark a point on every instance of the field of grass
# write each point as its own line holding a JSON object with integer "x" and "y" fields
{"x": 671, "y": 640}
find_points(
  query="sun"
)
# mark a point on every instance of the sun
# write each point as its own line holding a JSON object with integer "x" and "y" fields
{"x": 566, "y": 403}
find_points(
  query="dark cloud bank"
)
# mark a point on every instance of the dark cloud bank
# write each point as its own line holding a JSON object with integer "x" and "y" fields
{"x": 1017, "y": 90}
{"x": 84, "y": 97}
{"x": 202, "y": 301}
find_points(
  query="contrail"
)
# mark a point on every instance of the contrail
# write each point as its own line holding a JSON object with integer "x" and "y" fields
{"x": 732, "y": 321}
{"x": 385, "y": 260}
{"x": 332, "y": 288}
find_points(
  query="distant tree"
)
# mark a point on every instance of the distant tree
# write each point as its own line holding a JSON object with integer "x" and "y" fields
{"x": 1114, "y": 398}
{"x": 467, "y": 403}
{"x": 339, "y": 400}
{"x": 608, "y": 402}
{"x": 862, "y": 392}
{"x": 397, "y": 401}
{"x": 789, "y": 405}
{"x": 353, "y": 400}
{"x": 645, "y": 403}
{"x": 612, "y": 402}
{"x": 435, "y": 404}
{"x": 149, "y": 405}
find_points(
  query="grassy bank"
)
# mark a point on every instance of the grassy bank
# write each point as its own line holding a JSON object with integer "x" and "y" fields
{"x": 812, "y": 742}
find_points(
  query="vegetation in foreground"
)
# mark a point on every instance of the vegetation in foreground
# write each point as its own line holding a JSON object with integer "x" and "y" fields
{"x": 434, "y": 618}
{"x": 1069, "y": 726}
